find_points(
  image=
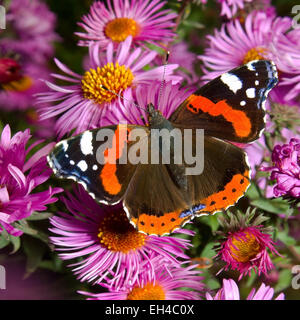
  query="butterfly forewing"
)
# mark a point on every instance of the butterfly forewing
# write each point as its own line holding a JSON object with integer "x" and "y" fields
{"x": 81, "y": 158}
{"x": 231, "y": 107}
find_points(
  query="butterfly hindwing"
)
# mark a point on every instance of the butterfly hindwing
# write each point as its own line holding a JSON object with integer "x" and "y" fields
{"x": 153, "y": 201}
{"x": 157, "y": 205}
{"x": 230, "y": 107}
{"x": 225, "y": 178}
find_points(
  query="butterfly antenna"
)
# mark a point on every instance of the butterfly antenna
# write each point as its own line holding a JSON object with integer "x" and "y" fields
{"x": 121, "y": 97}
{"x": 163, "y": 77}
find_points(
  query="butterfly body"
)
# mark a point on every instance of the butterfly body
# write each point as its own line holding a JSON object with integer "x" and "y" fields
{"x": 160, "y": 196}
{"x": 157, "y": 121}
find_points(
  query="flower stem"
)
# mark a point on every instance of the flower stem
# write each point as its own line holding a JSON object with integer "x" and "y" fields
{"x": 180, "y": 14}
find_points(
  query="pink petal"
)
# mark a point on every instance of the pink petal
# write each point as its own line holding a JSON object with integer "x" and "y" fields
{"x": 18, "y": 175}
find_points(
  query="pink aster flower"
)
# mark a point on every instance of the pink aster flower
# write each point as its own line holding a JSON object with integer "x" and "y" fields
{"x": 258, "y": 152}
{"x": 261, "y": 37}
{"x": 16, "y": 92}
{"x": 84, "y": 103}
{"x": 230, "y": 7}
{"x": 230, "y": 291}
{"x": 171, "y": 282}
{"x": 108, "y": 245}
{"x": 32, "y": 24}
{"x": 141, "y": 19}
{"x": 245, "y": 244}
{"x": 286, "y": 169}
{"x": 19, "y": 177}
{"x": 288, "y": 52}
{"x": 246, "y": 249}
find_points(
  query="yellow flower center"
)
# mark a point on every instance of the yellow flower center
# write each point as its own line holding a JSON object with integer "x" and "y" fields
{"x": 22, "y": 84}
{"x": 120, "y": 28}
{"x": 244, "y": 249}
{"x": 117, "y": 234}
{"x": 113, "y": 77}
{"x": 147, "y": 292}
{"x": 254, "y": 54}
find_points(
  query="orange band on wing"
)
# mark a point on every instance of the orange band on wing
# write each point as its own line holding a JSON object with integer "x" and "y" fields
{"x": 108, "y": 175}
{"x": 151, "y": 224}
{"x": 109, "y": 179}
{"x": 240, "y": 122}
{"x": 118, "y": 143}
{"x": 233, "y": 190}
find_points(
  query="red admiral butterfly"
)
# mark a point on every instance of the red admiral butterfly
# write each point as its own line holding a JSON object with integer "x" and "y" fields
{"x": 160, "y": 198}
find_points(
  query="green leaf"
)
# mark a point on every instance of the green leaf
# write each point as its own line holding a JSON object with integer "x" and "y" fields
{"x": 281, "y": 260}
{"x": 39, "y": 216}
{"x": 16, "y": 242}
{"x": 196, "y": 240}
{"x": 24, "y": 226}
{"x": 284, "y": 281}
{"x": 213, "y": 284}
{"x": 251, "y": 279}
{"x": 4, "y": 233}
{"x": 208, "y": 251}
{"x": 55, "y": 265}
{"x": 34, "y": 251}
{"x": 272, "y": 205}
{"x": 193, "y": 24}
{"x": 211, "y": 221}
{"x": 209, "y": 279}
{"x": 252, "y": 192}
{"x": 297, "y": 249}
{"x": 285, "y": 238}
{"x": 3, "y": 241}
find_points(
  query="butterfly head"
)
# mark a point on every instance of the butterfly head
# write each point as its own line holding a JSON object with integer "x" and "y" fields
{"x": 154, "y": 115}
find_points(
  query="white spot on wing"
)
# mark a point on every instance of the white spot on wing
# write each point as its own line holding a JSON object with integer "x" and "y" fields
{"x": 250, "y": 93}
{"x": 250, "y": 66}
{"x": 86, "y": 145}
{"x": 72, "y": 162}
{"x": 243, "y": 103}
{"x": 95, "y": 167}
{"x": 232, "y": 81}
{"x": 82, "y": 165}
{"x": 256, "y": 82}
{"x": 64, "y": 144}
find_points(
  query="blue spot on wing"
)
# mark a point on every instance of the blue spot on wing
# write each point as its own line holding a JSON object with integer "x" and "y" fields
{"x": 191, "y": 211}
{"x": 63, "y": 167}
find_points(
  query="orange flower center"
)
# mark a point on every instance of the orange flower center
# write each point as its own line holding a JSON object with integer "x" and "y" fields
{"x": 120, "y": 28}
{"x": 244, "y": 249}
{"x": 254, "y": 54}
{"x": 112, "y": 76}
{"x": 117, "y": 234}
{"x": 22, "y": 84}
{"x": 147, "y": 292}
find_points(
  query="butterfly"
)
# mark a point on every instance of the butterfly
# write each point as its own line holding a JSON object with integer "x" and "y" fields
{"x": 160, "y": 198}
